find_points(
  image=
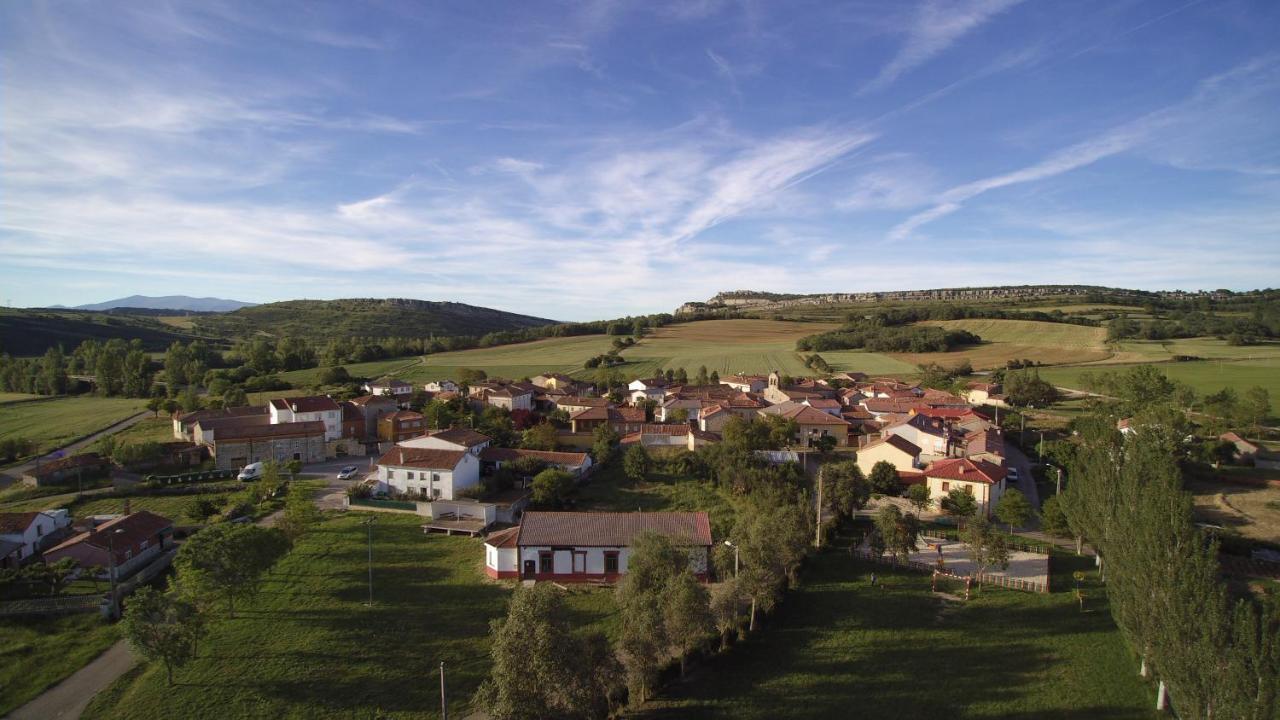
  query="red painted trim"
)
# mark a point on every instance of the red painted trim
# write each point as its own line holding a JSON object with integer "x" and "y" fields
{"x": 577, "y": 577}
{"x": 501, "y": 574}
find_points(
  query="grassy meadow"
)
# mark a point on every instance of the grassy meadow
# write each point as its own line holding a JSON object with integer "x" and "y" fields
{"x": 57, "y": 421}
{"x": 1043, "y": 342}
{"x": 38, "y": 652}
{"x": 1204, "y": 376}
{"x": 307, "y": 647}
{"x": 840, "y": 647}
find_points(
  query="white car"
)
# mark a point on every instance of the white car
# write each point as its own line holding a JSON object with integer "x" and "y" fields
{"x": 1013, "y": 474}
{"x": 252, "y": 471}
{"x": 348, "y": 472}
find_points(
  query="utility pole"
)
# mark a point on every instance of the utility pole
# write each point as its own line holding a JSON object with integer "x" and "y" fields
{"x": 817, "y": 541}
{"x": 111, "y": 558}
{"x": 444, "y": 707}
{"x": 735, "y": 558}
{"x": 1057, "y": 490}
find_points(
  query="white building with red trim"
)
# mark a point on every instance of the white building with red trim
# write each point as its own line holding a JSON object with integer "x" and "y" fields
{"x": 590, "y": 546}
{"x": 983, "y": 480}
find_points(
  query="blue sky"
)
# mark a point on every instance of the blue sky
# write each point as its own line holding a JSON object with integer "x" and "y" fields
{"x": 587, "y": 160}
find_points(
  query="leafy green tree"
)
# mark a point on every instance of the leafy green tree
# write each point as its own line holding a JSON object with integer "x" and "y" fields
{"x": 294, "y": 468}
{"x": 845, "y": 489}
{"x": 727, "y": 608}
{"x": 227, "y": 561}
{"x": 201, "y": 509}
{"x": 1053, "y": 521}
{"x": 773, "y": 535}
{"x": 959, "y": 505}
{"x": 636, "y": 463}
{"x": 300, "y": 514}
{"x": 1013, "y": 509}
{"x": 235, "y": 396}
{"x": 1254, "y": 407}
{"x": 1026, "y": 388}
{"x": 161, "y": 626}
{"x": 900, "y": 532}
{"x": 551, "y": 488}
{"x": 645, "y": 640}
{"x": 986, "y": 547}
{"x": 686, "y": 614}
{"x": 918, "y": 495}
{"x": 542, "y": 667}
{"x": 679, "y": 415}
{"x": 604, "y": 443}
{"x": 542, "y": 436}
{"x": 884, "y": 479}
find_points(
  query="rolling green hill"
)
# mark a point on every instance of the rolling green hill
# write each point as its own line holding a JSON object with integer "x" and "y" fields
{"x": 360, "y": 317}
{"x": 32, "y": 331}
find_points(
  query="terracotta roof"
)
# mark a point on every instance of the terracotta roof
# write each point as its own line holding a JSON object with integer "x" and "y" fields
{"x": 402, "y": 415}
{"x": 465, "y": 437}
{"x": 987, "y": 441}
{"x": 366, "y": 399}
{"x": 967, "y": 470}
{"x": 806, "y": 415}
{"x": 822, "y": 403}
{"x": 987, "y": 387}
{"x": 310, "y": 403}
{"x": 591, "y": 413}
{"x": 254, "y": 432}
{"x": 138, "y": 526}
{"x": 12, "y": 523}
{"x": 235, "y": 412}
{"x": 950, "y": 412}
{"x": 68, "y": 463}
{"x": 897, "y": 441}
{"x": 602, "y": 529}
{"x": 503, "y": 538}
{"x": 585, "y": 402}
{"x": 429, "y": 458}
{"x": 890, "y": 405}
{"x": 493, "y": 454}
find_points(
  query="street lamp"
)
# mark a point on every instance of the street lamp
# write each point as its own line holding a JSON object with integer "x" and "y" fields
{"x": 368, "y": 523}
{"x": 735, "y": 558}
{"x": 111, "y": 565}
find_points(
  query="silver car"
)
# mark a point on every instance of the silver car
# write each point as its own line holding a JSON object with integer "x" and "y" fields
{"x": 348, "y": 472}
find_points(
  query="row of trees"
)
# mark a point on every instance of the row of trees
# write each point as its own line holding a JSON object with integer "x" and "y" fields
{"x": 1144, "y": 386}
{"x": 874, "y": 337}
{"x": 1216, "y": 656}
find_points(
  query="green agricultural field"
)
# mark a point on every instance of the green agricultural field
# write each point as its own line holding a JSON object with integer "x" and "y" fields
{"x": 55, "y": 422}
{"x": 512, "y": 361}
{"x": 609, "y": 490}
{"x": 152, "y": 429}
{"x": 396, "y": 367}
{"x": 840, "y": 648}
{"x": 37, "y": 653}
{"x": 1003, "y": 340}
{"x": 869, "y": 363}
{"x": 307, "y": 647}
{"x": 1206, "y": 377}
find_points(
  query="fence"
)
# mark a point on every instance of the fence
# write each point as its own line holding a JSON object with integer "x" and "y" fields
{"x": 1011, "y": 541}
{"x": 191, "y": 477}
{"x": 60, "y": 605}
{"x": 384, "y": 504}
{"x": 981, "y": 578}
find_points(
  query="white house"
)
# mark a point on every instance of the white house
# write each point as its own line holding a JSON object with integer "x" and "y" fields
{"x": 893, "y": 449}
{"x": 587, "y": 546}
{"x": 436, "y": 386}
{"x": 931, "y": 435}
{"x": 21, "y": 534}
{"x": 510, "y": 397}
{"x": 389, "y": 386}
{"x": 981, "y": 479}
{"x": 451, "y": 439}
{"x": 654, "y": 389}
{"x": 746, "y": 383}
{"x": 428, "y": 472}
{"x": 315, "y": 408}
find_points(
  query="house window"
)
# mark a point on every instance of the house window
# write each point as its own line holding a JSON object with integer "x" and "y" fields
{"x": 435, "y": 477}
{"x": 409, "y": 474}
{"x": 968, "y": 489}
{"x": 544, "y": 562}
{"x": 435, "y": 492}
{"x": 946, "y": 486}
{"x": 611, "y": 561}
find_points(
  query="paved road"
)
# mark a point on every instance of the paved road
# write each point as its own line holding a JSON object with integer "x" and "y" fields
{"x": 14, "y": 474}
{"x": 68, "y": 699}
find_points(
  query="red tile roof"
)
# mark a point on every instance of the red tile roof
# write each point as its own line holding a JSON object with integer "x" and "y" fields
{"x": 964, "y": 469}
{"x": 494, "y": 454}
{"x": 12, "y": 523}
{"x": 602, "y": 529}
{"x": 366, "y": 399}
{"x": 896, "y": 441}
{"x": 503, "y": 538}
{"x": 806, "y": 415}
{"x": 429, "y": 458}
{"x": 232, "y": 433}
{"x": 136, "y": 527}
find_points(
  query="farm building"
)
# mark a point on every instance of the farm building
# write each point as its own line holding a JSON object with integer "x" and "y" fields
{"x": 134, "y": 539}
{"x": 590, "y": 546}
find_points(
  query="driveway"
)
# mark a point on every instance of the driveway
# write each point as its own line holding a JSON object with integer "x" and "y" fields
{"x": 68, "y": 699}
{"x": 330, "y": 497}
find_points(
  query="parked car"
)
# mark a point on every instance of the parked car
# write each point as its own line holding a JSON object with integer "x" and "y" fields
{"x": 1013, "y": 474}
{"x": 252, "y": 471}
{"x": 348, "y": 472}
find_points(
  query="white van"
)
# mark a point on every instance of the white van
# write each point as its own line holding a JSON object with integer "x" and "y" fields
{"x": 252, "y": 471}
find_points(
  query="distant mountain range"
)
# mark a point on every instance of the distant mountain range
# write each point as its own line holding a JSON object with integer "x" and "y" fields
{"x": 168, "y": 302}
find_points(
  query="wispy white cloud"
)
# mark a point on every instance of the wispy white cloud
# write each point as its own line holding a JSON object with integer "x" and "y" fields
{"x": 936, "y": 26}
{"x": 726, "y": 71}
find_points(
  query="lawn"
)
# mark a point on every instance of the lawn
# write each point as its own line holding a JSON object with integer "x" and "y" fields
{"x": 1205, "y": 377}
{"x": 38, "y": 652}
{"x": 56, "y": 422}
{"x": 152, "y": 429}
{"x": 9, "y": 397}
{"x": 609, "y": 490}
{"x": 307, "y": 647}
{"x": 840, "y": 648}
{"x": 396, "y": 367}
{"x": 1044, "y": 342}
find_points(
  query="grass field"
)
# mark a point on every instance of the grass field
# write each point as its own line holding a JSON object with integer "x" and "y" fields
{"x": 399, "y": 367}
{"x": 1252, "y": 511}
{"x": 152, "y": 429}
{"x": 307, "y": 647}
{"x": 1044, "y": 342}
{"x": 610, "y": 490}
{"x": 8, "y": 397}
{"x": 840, "y": 648}
{"x": 36, "y": 653}
{"x": 51, "y": 423}
{"x": 1206, "y": 377}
